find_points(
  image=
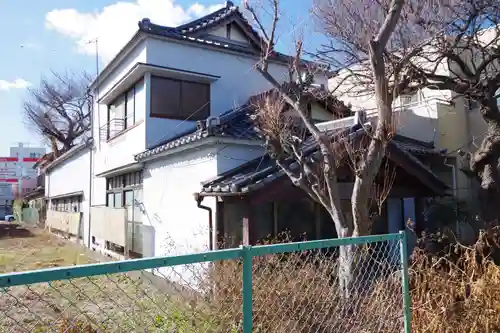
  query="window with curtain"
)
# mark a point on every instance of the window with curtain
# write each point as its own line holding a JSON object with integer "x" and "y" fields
{"x": 177, "y": 99}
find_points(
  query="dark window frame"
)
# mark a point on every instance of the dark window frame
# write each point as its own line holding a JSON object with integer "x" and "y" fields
{"x": 121, "y": 184}
{"x": 181, "y": 114}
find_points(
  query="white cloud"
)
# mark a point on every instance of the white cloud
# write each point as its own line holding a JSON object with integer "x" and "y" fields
{"x": 115, "y": 24}
{"x": 16, "y": 84}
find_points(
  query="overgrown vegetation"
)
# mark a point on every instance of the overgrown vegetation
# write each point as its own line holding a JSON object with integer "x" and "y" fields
{"x": 454, "y": 288}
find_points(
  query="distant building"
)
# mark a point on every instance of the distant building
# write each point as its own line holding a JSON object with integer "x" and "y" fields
{"x": 17, "y": 174}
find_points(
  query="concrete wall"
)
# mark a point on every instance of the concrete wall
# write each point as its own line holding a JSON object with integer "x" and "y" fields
{"x": 67, "y": 222}
{"x": 109, "y": 224}
{"x": 72, "y": 175}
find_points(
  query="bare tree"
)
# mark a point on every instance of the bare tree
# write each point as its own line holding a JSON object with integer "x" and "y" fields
{"x": 376, "y": 66}
{"x": 321, "y": 183}
{"x": 318, "y": 176}
{"x": 59, "y": 109}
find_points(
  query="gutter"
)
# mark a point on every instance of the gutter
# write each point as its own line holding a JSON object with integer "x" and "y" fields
{"x": 199, "y": 199}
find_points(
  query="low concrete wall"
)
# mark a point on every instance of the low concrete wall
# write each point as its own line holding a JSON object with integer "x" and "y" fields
{"x": 64, "y": 221}
{"x": 109, "y": 224}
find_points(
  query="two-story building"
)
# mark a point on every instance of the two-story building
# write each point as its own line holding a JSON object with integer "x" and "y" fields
{"x": 442, "y": 118}
{"x": 172, "y": 111}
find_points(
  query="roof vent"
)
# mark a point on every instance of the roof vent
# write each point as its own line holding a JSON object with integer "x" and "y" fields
{"x": 213, "y": 121}
{"x": 229, "y": 4}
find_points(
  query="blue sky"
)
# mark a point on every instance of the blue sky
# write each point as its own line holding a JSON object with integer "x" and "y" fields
{"x": 38, "y": 36}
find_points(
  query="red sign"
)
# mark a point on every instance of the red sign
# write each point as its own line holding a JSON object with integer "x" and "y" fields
{"x": 8, "y": 159}
{"x": 30, "y": 159}
{"x": 8, "y": 180}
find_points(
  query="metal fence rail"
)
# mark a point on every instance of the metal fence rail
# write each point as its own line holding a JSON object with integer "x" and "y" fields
{"x": 291, "y": 287}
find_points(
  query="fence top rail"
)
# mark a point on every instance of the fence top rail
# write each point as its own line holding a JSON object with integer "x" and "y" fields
{"x": 65, "y": 273}
{"x": 72, "y": 272}
{"x": 321, "y": 244}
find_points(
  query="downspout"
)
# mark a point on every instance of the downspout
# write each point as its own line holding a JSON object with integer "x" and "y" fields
{"x": 90, "y": 192}
{"x": 454, "y": 182}
{"x": 91, "y": 159}
{"x": 453, "y": 175}
{"x": 199, "y": 199}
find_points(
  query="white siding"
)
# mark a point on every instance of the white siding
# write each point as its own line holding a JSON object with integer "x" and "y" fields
{"x": 71, "y": 176}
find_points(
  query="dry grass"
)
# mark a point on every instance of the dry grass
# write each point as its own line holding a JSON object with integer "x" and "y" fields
{"x": 106, "y": 303}
{"x": 457, "y": 290}
{"x": 23, "y": 249}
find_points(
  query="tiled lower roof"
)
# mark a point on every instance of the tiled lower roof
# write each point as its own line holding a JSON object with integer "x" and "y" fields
{"x": 234, "y": 124}
{"x": 263, "y": 170}
{"x": 417, "y": 147}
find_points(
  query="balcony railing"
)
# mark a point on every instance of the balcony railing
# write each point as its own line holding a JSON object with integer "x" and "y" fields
{"x": 416, "y": 120}
{"x": 111, "y": 128}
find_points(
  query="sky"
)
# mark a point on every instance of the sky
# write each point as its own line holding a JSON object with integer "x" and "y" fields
{"x": 40, "y": 36}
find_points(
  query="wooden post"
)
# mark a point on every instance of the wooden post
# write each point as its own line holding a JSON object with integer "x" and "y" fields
{"x": 275, "y": 219}
{"x": 246, "y": 231}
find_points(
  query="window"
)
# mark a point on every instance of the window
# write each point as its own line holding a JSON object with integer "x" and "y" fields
{"x": 176, "y": 99}
{"x": 69, "y": 204}
{"x": 409, "y": 99}
{"x": 118, "y": 189}
{"x": 122, "y": 111}
{"x": 34, "y": 155}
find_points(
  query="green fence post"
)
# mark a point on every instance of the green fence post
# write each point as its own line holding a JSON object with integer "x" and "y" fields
{"x": 403, "y": 250}
{"x": 247, "y": 289}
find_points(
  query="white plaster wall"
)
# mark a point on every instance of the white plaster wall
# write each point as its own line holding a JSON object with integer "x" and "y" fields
{"x": 238, "y": 80}
{"x": 119, "y": 151}
{"x": 169, "y": 185}
{"x": 71, "y": 176}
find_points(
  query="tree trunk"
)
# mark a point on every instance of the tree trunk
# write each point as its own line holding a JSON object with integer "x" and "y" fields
{"x": 485, "y": 166}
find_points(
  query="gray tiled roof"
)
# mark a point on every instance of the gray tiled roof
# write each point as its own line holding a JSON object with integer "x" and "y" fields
{"x": 263, "y": 170}
{"x": 227, "y": 12}
{"x": 234, "y": 124}
{"x": 184, "y": 32}
{"x": 417, "y": 147}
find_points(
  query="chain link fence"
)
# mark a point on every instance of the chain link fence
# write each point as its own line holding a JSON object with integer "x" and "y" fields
{"x": 292, "y": 287}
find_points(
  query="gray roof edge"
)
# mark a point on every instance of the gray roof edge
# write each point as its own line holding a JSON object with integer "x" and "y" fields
{"x": 69, "y": 154}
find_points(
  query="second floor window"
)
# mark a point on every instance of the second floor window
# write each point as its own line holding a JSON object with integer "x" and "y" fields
{"x": 177, "y": 99}
{"x": 121, "y": 112}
